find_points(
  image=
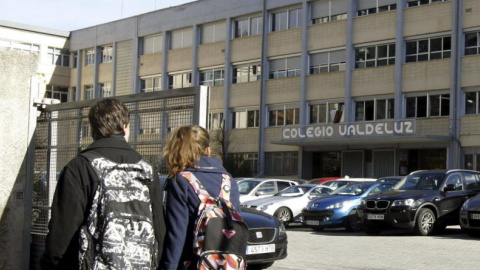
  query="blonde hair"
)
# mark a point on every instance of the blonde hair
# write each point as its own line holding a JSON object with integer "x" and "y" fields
{"x": 185, "y": 147}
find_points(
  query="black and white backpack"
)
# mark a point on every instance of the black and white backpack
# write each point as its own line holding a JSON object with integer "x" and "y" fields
{"x": 119, "y": 233}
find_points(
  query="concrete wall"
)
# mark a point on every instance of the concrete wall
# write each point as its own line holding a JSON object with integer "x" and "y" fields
{"x": 17, "y": 119}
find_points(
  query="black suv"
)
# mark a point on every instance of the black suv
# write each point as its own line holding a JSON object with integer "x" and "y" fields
{"x": 424, "y": 201}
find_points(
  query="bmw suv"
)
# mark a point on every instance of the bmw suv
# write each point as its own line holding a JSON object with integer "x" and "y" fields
{"x": 424, "y": 201}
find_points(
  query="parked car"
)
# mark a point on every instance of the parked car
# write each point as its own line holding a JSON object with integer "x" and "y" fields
{"x": 267, "y": 239}
{"x": 251, "y": 189}
{"x": 423, "y": 201}
{"x": 339, "y": 208}
{"x": 470, "y": 211}
{"x": 287, "y": 204}
{"x": 338, "y": 183}
{"x": 321, "y": 180}
{"x": 392, "y": 179}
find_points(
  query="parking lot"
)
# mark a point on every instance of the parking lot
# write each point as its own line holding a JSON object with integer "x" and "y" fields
{"x": 338, "y": 249}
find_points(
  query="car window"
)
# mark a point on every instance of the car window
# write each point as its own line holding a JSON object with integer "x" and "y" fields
{"x": 293, "y": 191}
{"x": 352, "y": 190}
{"x": 455, "y": 179}
{"x": 425, "y": 181}
{"x": 472, "y": 180}
{"x": 283, "y": 185}
{"x": 380, "y": 188}
{"x": 267, "y": 187}
{"x": 244, "y": 187}
{"x": 321, "y": 191}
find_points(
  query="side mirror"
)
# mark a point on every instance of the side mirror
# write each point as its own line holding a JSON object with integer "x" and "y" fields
{"x": 449, "y": 187}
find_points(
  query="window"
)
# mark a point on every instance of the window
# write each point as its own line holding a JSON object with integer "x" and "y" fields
{"x": 245, "y": 164}
{"x": 75, "y": 60}
{"x": 57, "y": 92}
{"x": 247, "y": 73}
{"x": 286, "y": 20}
{"x": 27, "y": 47}
{"x": 472, "y": 180}
{"x": 150, "y": 84}
{"x": 373, "y": 110}
{"x": 472, "y": 43}
{"x": 376, "y": 9}
{"x": 59, "y": 57}
{"x": 89, "y": 92}
{"x": 326, "y": 113}
{"x": 414, "y": 3}
{"x": 283, "y": 117}
{"x": 74, "y": 94}
{"x": 327, "y": 62}
{"x": 180, "y": 80}
{"x": 213, "y": 77}
{"x": 215, "y": 120}
{"x": 281, "y": 163}
{"x": 245, "y": 118}
{"x": 149, "y": 123}
{"x": 182, "y": 38}
{"x": 330, "y": 18}
{"x": 107, "y": 54}
{"x": 105, "y": 89}
{"x": 213, "y": 32}
{"x": 472, "y": 160}
{"x": 428, "y": 106}
{"x": 90, "y": 57}
{"x": 455, "y": 179}
{"x": 428, "y": 49}
{"x": 152, "y": 44}
{"x": 284, "y": 67}
{"x": 471, "y": 102}
{"x": 374, "y": 56}
{"x": 248, "y": 27}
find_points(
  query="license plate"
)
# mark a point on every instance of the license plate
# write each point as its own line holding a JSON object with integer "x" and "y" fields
{"x": 313, "y": 222}
{"x": 375, "y": 217}
{"x": 475, "y": 216}
{"x": 260, "y": 249}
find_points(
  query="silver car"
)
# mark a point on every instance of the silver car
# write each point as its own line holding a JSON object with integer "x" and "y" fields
{"x": 251, "y": 189}
{"x": 287, "y": 204}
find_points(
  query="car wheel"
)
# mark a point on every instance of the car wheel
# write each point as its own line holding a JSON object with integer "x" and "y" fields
{"x": 352, "y": 222}
{"x": 259, "y": 265}
{"x": 372, "y": 229}
{"x": 425, "y": 224}
{"x": 284, "y": 215}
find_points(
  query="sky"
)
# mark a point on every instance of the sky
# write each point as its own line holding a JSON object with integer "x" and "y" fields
{"x": 69, "y": 15}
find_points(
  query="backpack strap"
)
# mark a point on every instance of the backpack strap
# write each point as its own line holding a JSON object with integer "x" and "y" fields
{"x": 202, "y": 193}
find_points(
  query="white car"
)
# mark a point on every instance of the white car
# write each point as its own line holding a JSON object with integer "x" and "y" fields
{"x": 255, "y": 188}
{"x": 337, "y": 183}
{"x": 287, "y": 204}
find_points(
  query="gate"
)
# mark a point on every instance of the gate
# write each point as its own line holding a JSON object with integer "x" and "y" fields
{"x": 63, "y": 131}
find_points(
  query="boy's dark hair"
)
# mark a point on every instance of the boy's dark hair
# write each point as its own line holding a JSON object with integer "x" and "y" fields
{"x": 107, "y": 117}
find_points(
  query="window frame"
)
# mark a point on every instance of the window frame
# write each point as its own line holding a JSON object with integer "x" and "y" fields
{"x": 153, "y": 79}
{"x": 469, "y": 49}
{"x": 237, "y": 118}
{"x": 421, "y": 52}
{"x": 90, "y": 57}
{"x": 286, "y": 15}
{"x": 281, "y": 114}
{"x": 364, "y": 63}
{"x": 389, "y": 109}
{"x": 425, "y": 107}
{"x": 186, "y": 80}
{"x": 57, "y": 54}
{"x": 106, "y": 54}
{"x": 376, "y": 9}
{"x": 328, "y": 108}
{"x": 253, "y": 73}
{"x": 57, "y": 92}
{"x": 214, "y": 80}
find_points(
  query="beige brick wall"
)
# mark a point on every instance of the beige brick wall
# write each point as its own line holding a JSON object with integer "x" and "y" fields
{"x": 283, "y": 90}
{"x": 245, "y": 94}
{"x": 73, "y": 77}
{"x": 327, "y": 35}
{"x": 471, "y": 13}
{"x": 243, "y": 140}
{"x": 247, "y": 48}
{"x": 284, "y": 42}
{"x": 125, "y": 59}
{"x": 59, "y": 79}
{"x": 211, "y": 54}
{"x": 274, "y": 134}
{"x": 426, "y": 75}
{"x": 88, "y": 74}
{"x": 426, "y": 19}
{"x": 433, "y": 126}
{"x": 180, "y": 59}
{"x": 373, "y": 81}
{"x": 151, "y": 64}
{"x": 216, "y": 97}
{"x": 105, "y": 72}
{"x": 470, "y": 69}
{"x": 326, "y": 86}
{"x": 374, "y": 27}
{"x": 470, "y": 133}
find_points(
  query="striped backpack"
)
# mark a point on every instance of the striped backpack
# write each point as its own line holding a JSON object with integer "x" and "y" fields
{"x": 220, "y": 234}
{"x": 119, "y": 231}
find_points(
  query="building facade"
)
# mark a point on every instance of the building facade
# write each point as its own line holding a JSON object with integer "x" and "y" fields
{"x": 307, "y": 88}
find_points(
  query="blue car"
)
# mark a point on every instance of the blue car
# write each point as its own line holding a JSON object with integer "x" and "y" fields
{"x": 339, "y": 209}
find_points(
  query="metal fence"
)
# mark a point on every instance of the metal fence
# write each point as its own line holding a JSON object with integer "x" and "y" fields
{"x": 63, "y": 131}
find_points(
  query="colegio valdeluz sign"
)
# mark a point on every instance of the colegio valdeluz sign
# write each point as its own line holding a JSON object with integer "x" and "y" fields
{"x": 330, "y": 131}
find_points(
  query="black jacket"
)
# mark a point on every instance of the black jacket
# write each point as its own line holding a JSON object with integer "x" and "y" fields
{"x": 182, "y": 208}
{"x": 72, "y": 200}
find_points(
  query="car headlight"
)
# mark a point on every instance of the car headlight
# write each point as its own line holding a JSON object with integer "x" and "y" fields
{"x": 363, "y": 203}
{"x": 465, "y": 205}
{"x": 281, "y": 229}
{"x": 407, "y": 202}
{"x": 264, "y": 207}
{"x": 341, "y": 204}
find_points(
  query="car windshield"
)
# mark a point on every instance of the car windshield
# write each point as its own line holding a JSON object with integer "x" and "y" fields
{"x": 424, "y": 181}
{"x": 293, "y": 191}
{"x": 352, "y": 190}
{"x": 244, "y": 187}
